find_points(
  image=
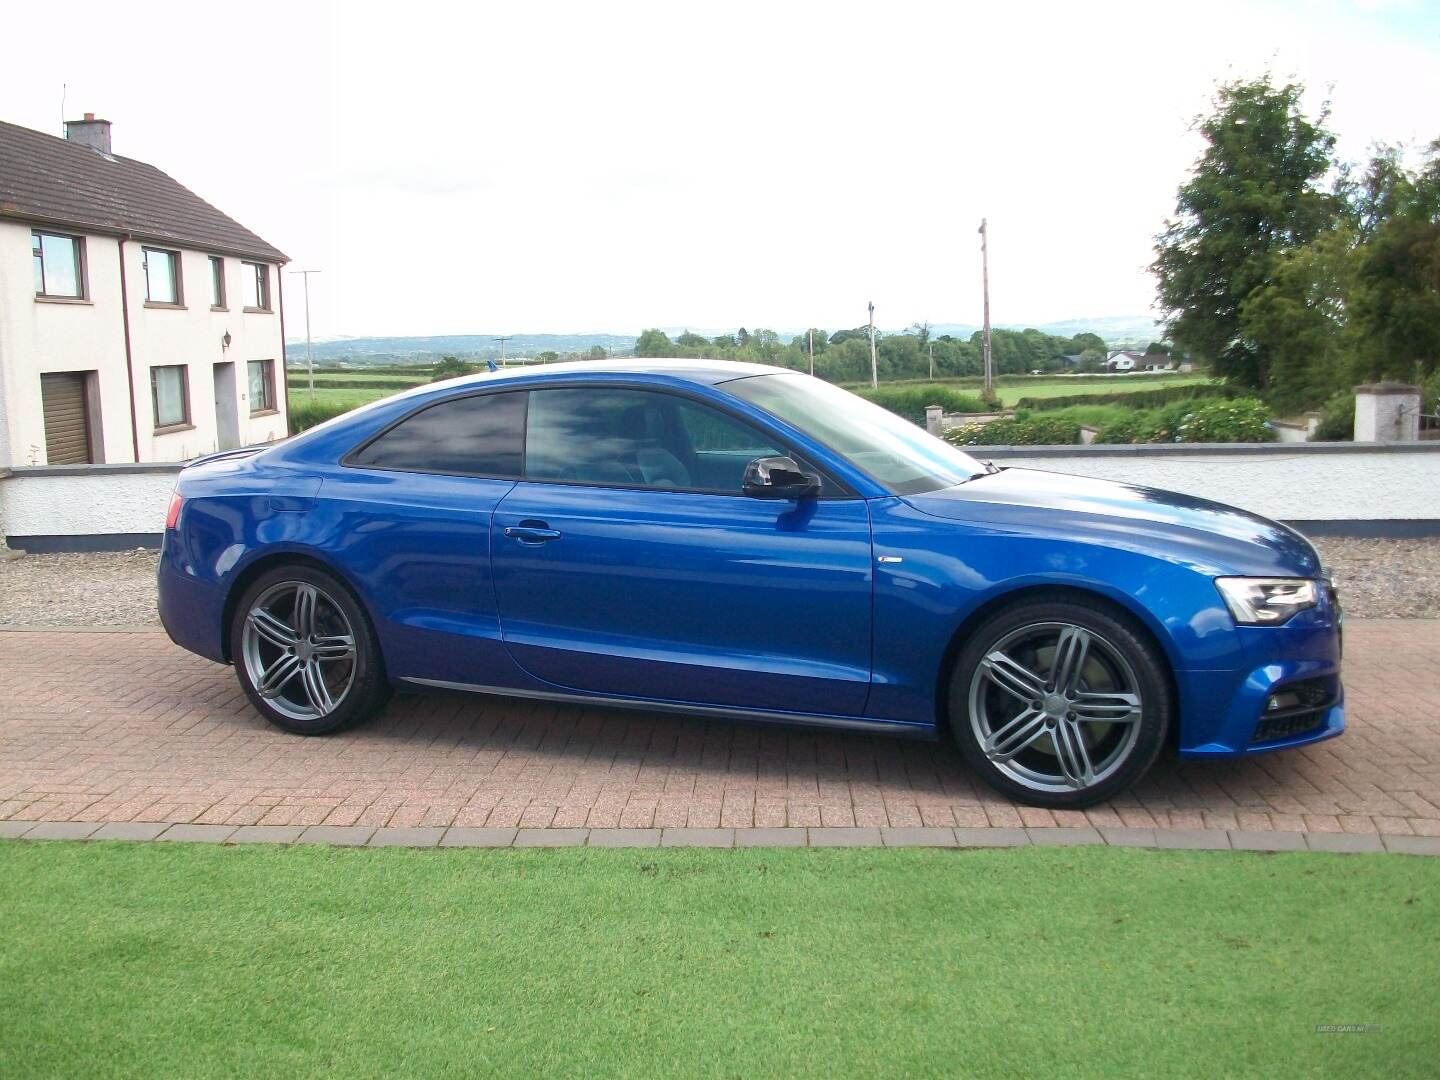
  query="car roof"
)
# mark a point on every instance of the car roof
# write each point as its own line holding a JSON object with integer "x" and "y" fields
{"x": 699, "y": 370}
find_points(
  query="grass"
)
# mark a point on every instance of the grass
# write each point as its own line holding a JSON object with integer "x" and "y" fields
{"x": 161, "y": 960}
{"x": 1039, "y": 387}
{"x": 1096, "y": 416}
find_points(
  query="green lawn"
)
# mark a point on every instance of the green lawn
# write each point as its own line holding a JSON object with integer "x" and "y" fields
{"x": 1037, "y": 388}
{"x": 187, "y": 960}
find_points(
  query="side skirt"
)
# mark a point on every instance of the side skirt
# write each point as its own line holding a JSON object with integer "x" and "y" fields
{"x": 716, "y": 712}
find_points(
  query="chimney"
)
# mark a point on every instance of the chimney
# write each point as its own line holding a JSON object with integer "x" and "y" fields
{"x": 90, "y": 132}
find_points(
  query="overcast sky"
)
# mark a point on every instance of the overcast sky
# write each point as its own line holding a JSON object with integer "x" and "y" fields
{"x": 530, "y": 167}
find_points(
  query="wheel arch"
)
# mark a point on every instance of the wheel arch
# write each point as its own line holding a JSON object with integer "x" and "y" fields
{"x": 1137, "y": 617}
{"x": 264, "y": 563}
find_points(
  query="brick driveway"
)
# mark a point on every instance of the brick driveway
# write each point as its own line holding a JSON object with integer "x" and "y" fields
{"x": 127, "y": 727}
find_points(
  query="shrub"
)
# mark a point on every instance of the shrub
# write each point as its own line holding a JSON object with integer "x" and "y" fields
{"x": 1017, "y": 431}
{"x": 306, "y": 414}
{"x": 1139, "y": 399}
{"x": 909, "y": 401}
{"x": 1242, "y": 420}
{"x": 1337, "y": 419}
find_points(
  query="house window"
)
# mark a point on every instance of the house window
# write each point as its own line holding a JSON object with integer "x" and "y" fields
{"x": 217, "y": 282}
{"x": 162, "y": 276}
{"x": 58, "y": 266}
{"x": 170, "y": 392}
{"x": 262, "y": 386}
{"x": 257, "y": 287}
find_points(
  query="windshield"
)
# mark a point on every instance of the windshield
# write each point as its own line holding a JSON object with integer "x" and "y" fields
{"x": 893, "y": 452}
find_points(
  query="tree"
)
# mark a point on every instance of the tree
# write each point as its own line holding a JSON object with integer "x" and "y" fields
{"x": 450, "y": 367}
{"x": 654, "y": 342}
{"x": 725, "y": 341}
{"x": 1157, "y": 348}
{"x": 1254, "y": 195}
{"x": 549, "y": 356}
{"x": 691, "y": 341}
{"x": 597, "y": 352}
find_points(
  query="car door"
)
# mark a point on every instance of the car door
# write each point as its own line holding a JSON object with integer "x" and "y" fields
{"x": 627, "y": 561}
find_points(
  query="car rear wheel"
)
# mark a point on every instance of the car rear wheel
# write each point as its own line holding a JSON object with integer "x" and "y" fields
{"x": 305, "y": 652}
{"x": 1059, "y": 704}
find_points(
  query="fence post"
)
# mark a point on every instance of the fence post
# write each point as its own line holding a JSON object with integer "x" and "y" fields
{"x": 935, "y": 419}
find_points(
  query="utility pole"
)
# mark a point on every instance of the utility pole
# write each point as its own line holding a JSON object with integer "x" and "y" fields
{"x": 874, "y": 367}
{"x": 502, "y": 341}
{"x": 932, "y": 360}
{"x": 309, "y": 351}
{"x": 985, "y": 283}
{"x": 810, "y": 334}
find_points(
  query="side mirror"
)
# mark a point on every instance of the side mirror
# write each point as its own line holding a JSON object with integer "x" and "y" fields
{"x": 778, "y": 478}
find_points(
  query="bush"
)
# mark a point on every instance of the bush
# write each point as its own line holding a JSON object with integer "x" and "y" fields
{"x": 1017, "y": 431}
{"x": 1139, "y": 399}
{"x": 910, "y": 401}
{"x": 1337, "y": 419}
{"x": 1218, "y": 420}
{"x": 306, "y": 414}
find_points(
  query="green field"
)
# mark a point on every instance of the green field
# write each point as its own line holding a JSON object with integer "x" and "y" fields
{"x": 1063, "y": 387}
{"x": 160, "y": 960}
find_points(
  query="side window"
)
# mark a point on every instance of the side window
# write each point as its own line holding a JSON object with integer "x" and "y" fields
{"x": 481, "y": 435}
{"x": 637, "y": 438}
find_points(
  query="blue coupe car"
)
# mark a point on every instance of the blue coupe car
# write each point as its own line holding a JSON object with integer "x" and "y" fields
{"x": 747, "y": 543}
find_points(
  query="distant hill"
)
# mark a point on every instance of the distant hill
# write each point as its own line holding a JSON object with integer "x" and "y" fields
{"x": 1119, "y": 331}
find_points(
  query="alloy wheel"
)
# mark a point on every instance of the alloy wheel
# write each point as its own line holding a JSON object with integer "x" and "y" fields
{"x": 1055, "y": 707}
{"x": 299, "y": 650}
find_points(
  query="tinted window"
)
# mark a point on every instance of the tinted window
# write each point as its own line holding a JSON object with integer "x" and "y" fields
{"x": 476, "y": 436}
{"x": 637, "y": 438}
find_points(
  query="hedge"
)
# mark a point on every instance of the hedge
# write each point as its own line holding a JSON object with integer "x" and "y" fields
{"x": 1017, "y": 431}
{"x": 1138, "y": 399}
{"x": 306, "y": 414}
{"x": 910, "y": 401}
{"x": 1238, "y": 420}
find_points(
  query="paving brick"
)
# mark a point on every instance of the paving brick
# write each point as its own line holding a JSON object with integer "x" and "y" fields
{"x": 266, "y": 834}
{"x": 691, "y": 837}
{"x": 1412, "y": 845}
{"x": 551, "y": 837}
{"x": 624, "y": 838}
{"x": 1244, "y": 840}
{"x": 1068, "y": 837}
{"x": 209, "y": 834}
{"x": 772, "y": 837}
{"x": 1344, "y": 842}
{"x": 129, "y": 830}
{"x": 406, "y": 836}
{"x": 62, "y": 830}
{"x": 339, "y": 835}
{"x": 918, "y": 837}
{"x": 477, "y": 836}
{"x": 1192, "y": 838}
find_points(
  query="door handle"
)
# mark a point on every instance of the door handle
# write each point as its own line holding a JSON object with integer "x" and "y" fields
{"x": 532, "y": 534}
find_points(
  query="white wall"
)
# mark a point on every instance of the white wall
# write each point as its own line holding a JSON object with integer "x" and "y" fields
{"x": 38, "y": 336}
{"x": 81, "y": 500}
{"x": 1300, "y": 482}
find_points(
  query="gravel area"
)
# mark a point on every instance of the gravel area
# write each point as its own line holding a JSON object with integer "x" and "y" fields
{"x": 1378, "y": 579}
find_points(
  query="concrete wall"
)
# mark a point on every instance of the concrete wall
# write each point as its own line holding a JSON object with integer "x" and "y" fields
{"x": 38, "y": 335}
{"x": 1341, "y": 488}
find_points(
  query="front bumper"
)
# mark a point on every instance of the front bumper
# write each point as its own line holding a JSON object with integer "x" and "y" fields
{"x": 1220, "y": 711}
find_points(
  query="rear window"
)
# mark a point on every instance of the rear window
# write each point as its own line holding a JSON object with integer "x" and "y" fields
{"x": 480, "y": 435}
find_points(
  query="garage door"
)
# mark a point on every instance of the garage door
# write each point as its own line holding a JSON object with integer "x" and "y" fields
{"x": 67, "y": 428}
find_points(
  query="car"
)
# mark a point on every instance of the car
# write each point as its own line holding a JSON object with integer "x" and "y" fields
{"x": 747, "y": 543}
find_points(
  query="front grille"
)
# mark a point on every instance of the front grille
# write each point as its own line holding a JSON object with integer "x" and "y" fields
{"x": 1287, "y": 727}
{"x": 1295, "y": 709}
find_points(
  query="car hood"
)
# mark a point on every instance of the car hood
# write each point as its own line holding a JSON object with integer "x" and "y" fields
{"x": 1209, "y": 535}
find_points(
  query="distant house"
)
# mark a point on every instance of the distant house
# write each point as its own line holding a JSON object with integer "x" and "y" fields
{"x": 1071, "y": 360}
{"x": 1124, "y": 361}
{"x": 1159, "y": 362}
{"x": 149, "y": 327}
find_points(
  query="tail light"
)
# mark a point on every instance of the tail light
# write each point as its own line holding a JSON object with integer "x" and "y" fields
{"x": 173, "y": 515}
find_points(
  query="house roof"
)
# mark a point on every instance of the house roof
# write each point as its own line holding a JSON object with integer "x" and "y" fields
{"x": 49, "y": 180}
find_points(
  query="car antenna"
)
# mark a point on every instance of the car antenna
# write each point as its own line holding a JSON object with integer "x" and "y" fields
{"x": 492, "y": 365}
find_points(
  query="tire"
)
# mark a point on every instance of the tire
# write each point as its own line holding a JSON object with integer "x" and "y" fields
{"x": 1060, "y": 704}
{"x": 336, "y": 675}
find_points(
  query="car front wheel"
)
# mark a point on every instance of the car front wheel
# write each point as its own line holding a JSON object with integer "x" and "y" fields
{"x": 305, "y": 652}
{"x": 1059, "y": 704}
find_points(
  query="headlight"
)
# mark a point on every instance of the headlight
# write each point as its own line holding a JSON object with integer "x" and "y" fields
{"x": 1266, "y": 601}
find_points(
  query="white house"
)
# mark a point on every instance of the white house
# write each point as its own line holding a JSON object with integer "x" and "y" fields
{"x": 137, "y": 322}
{"x": 1124, "y": 361}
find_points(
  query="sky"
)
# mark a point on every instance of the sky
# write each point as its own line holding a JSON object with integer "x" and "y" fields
{"x": 554, "y": 167}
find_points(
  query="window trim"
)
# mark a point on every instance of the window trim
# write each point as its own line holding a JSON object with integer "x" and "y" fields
{"x": 832, "y": 488}
{"x": 218, "y": 302}
{"x": 179, "y": 301}
{"x": 269, "y": 308}
{"x": 270, "y": 408}
{"x": 82, "y": 276}
{"x": 178, "y": 425}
